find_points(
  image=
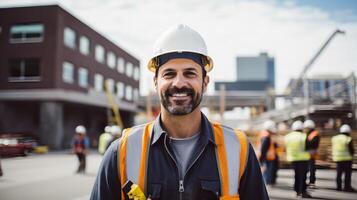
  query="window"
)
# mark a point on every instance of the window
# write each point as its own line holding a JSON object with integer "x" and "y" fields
{"x": 99, "y": 53}
{"x": 69, "y": 38}
{"x": 67, "y": 73}
{"x": 83, "y": 77}
{"x": 26, "y": 33}
{"x": 120, "y": 65}
{"x": 24, "y": 69}
{"x": 98, "y": 82}
{"x": 136, "y": 73}
{"x": 84, "y": 45}
{"x": 129, "y": 92}
{"x": 110, "y": 85}
{"x": 120, "y": 90}
{"x": 111, "y": 59}
{"x": 129, "y": 69}
{"x": 136, "y": 95}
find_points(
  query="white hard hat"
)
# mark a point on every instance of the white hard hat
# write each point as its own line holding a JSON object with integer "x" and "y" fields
{"x": 115, "y": 130}
{"x": 297, "y": 126}
{"x": 309, "y": 124}
{"x": 107, "y": 129}
{"x": 81, "y": 129}
{"x": 180, "y": 38}
{"x": 270, "y": 126}
{"x": 345, "y": 128}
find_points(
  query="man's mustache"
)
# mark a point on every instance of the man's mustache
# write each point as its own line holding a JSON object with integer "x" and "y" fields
{"x": 174, "y": 90}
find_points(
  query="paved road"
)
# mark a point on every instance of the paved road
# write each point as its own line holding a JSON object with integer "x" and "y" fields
{"x": 52, "y": 176}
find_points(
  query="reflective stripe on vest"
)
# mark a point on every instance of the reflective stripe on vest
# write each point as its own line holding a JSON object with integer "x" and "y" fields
{"x": 312, "y": 135}
{"x": 340, "y": 150}
{"x": 295, "y": 147}
{"x": 133, "y": 155}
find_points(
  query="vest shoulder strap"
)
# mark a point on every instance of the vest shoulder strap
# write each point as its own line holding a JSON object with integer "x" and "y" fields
{"x": 133, "y": 151}
{"x": 232, "y": 153}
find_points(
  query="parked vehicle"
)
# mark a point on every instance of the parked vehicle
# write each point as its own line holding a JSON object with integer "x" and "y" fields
{"x": 16, "y": 144}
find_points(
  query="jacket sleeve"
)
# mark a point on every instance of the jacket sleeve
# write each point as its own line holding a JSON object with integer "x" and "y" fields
{"x": 252, "y": 185}
{"x": 265, "y": 141}
{"x": 107, "y": 184}
{"x": 351, "y": 148}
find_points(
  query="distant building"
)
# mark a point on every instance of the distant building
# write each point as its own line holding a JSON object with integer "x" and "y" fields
{"x": 253, "y": 74}
{"x": 324, "y": 89}
{"x": 331, "y": 99}
{"x": 52, "y": 75}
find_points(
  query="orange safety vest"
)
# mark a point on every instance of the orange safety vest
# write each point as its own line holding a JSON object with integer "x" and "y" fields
{"x": 271, "y": 153}
{"x": 222, "y": 157}
{"x": 312, "y": 135}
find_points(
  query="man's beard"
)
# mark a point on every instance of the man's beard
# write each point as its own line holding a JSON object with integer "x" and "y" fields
{"x": 180, "y": 107}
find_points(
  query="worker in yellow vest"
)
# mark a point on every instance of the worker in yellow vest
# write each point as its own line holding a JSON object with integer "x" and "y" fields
{"x": 342, "y": 154}
{"x": 313, "y": 140}
{"x": 180, "y": 155}
{"x": 105, "y": 139}
{"x": 296, "y": 153}
{"x": 268, "y": 156}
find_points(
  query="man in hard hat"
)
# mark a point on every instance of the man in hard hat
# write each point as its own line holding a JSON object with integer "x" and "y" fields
{"x": 80, "y": 145}
{"x": 104, "y": 140}
{"x": 116, "y": 133}
{"x": 313, "y": 140}
{"x": 296, "y": 153}
{"x": 342, "y": 154}
{"x": 268, "y": 153}
{"x": 181, "y": 155}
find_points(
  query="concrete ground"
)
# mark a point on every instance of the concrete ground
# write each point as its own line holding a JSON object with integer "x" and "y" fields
{"x": 52, "y": 176}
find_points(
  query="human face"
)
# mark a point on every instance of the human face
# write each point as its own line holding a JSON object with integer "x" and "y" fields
{"x": 180, "y": 84}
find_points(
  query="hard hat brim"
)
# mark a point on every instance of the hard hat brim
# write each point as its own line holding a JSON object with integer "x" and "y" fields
{"x": 152, "y": 67}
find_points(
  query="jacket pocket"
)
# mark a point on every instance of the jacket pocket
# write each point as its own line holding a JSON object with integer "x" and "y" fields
{"x": 210, "y": 189}
{"x": 154, "y": 191}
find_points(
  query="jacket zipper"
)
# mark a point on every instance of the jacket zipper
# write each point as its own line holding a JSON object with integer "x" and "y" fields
{"x": 181, "y": 185}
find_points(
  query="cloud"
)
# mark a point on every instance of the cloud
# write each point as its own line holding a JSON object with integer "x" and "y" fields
{"x": 290, "y": 33}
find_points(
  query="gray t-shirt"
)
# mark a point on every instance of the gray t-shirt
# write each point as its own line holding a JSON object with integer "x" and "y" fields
{"x": 183, "y": 148}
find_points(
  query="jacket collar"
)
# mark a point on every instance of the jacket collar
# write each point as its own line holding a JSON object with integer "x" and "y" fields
{"x": 206, "y": 133}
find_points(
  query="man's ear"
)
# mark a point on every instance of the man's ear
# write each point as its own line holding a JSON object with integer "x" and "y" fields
{"x": 205, "y": 83}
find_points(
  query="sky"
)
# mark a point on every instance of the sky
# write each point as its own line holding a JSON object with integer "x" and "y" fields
{"x": 291, "y": 31}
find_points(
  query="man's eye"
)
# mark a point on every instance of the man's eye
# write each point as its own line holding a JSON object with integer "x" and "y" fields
{"x": 190, "y": 74}
{"x": 169, "y": 74}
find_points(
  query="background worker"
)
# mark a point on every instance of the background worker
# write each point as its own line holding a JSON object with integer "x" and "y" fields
{"x": 80, "y": 145}
{"x": 181, "y": 155}
{"x": 115, "y": 134}
{"x": 313, "y": 140}
{"x": 342, "y": 154}
{"x": 105, "y": 139}
{"x": 296, "y": 153}
{"x": 268, "y": 153}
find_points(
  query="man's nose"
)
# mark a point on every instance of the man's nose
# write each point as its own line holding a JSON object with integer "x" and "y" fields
{"x": 179, "y": 81}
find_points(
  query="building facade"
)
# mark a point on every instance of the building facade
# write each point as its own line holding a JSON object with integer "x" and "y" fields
{"x": 52, "y": 76}
{"x": 256, "y": 73}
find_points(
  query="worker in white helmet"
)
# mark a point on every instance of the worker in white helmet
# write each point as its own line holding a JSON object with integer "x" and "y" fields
{"x": 296, "y": 153}
{"x": 268, "y": 156}
{"x": 80, "y": 145}
{"x": 342, "y": 154}
{"x": 105, "y": 139}
{"x": 312, "y": 145}
{"x": 181, "y": 155}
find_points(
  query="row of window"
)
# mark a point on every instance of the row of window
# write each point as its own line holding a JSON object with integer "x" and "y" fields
{"x": 34, "y": 32}
{"x": 119, "y": 88}
{"x": 112, "y": 61}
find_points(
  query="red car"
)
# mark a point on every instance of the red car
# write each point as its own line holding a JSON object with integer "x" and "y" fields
{"x": 16, "y": 145}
